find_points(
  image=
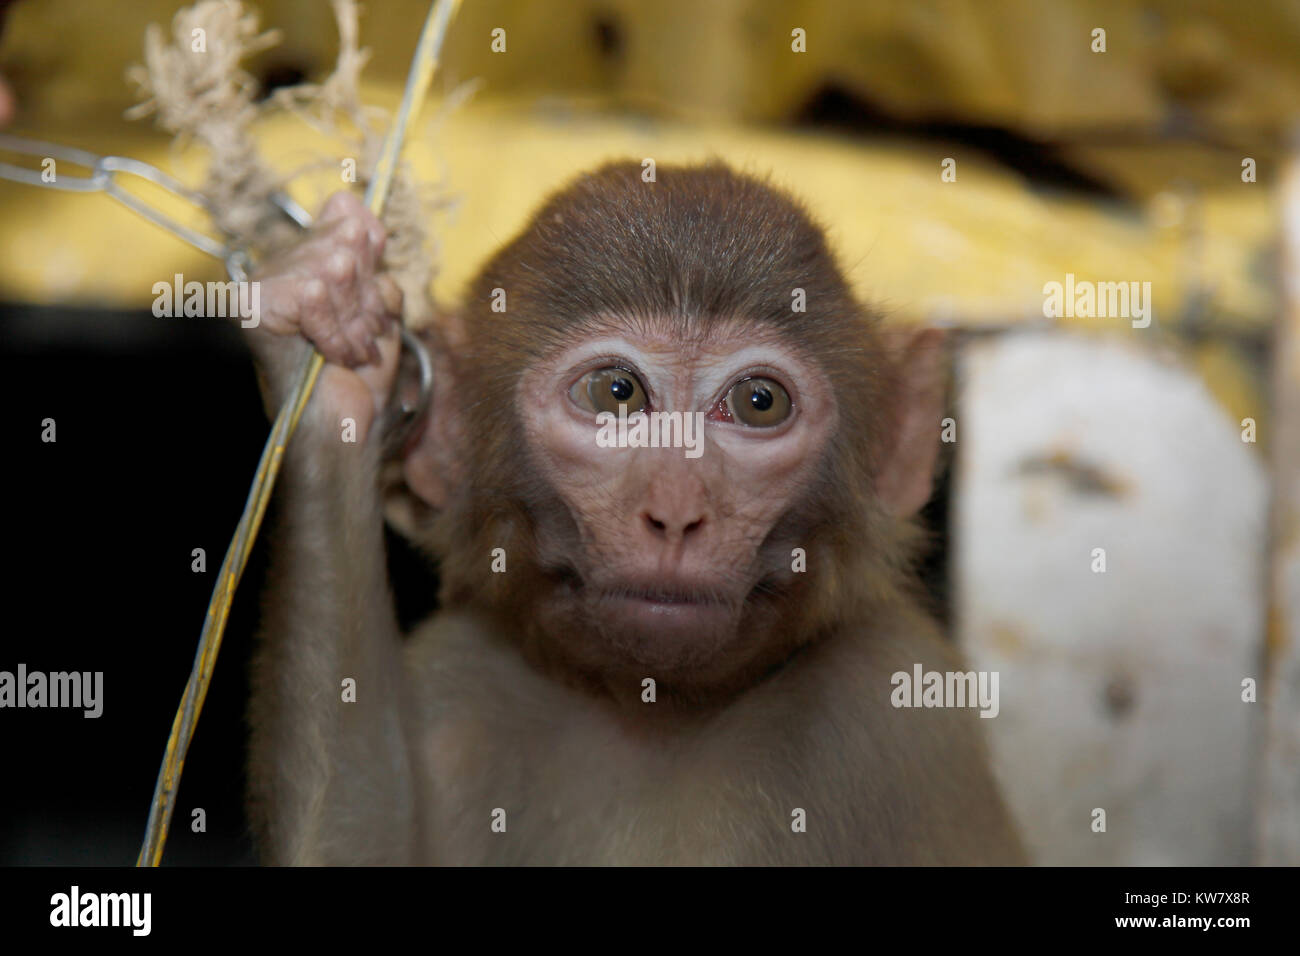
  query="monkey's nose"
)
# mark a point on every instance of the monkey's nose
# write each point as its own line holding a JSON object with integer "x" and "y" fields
{"x": 672, "y": 527}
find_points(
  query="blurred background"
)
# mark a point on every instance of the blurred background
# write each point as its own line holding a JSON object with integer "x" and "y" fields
{"x": 962, "y": 154}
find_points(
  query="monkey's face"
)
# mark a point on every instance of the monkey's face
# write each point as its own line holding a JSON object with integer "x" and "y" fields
{"x": 667, "y": 558}
{"x": 786, "y": 465}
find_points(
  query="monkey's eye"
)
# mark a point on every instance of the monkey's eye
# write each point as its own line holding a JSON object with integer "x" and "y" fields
{"x": 608, "y": 389}
{"x": 758, "y": 402}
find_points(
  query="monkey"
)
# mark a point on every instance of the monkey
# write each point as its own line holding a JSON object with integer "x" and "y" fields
{"x": 640, "y": 656}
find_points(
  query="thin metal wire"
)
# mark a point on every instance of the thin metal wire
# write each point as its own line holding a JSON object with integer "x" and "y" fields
{"x": 232, "y": 567}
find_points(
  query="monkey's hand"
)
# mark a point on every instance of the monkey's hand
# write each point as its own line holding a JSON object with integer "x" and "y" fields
{"x": 328, "y": 291}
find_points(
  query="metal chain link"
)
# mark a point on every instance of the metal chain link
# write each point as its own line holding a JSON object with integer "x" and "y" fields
{"x": 104, "y": 171}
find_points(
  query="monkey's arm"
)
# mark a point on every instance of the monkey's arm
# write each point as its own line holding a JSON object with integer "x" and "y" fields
{"x": 330, "y": 778}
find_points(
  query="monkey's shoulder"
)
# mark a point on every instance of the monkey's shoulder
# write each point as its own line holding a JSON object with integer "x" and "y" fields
{"x": 847, "y": 670}
{"x": 890, "y": 783}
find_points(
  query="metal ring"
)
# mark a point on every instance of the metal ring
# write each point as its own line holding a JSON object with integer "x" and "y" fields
{"x": 412, "y": 342}
{"x": 401, "y": 420}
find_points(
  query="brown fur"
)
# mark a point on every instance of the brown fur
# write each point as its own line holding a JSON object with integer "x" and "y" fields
{"x": 495, "y": 703}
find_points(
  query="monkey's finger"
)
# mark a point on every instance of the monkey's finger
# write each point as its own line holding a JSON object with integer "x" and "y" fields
{"x": 353, "y": 237}
{"x": 343, "y": 204}
{"x": 377, "y": 236}
{"x": 345, "y": 216}
{"x": 375, "y": 309}
{"x": 280, "y": 302}
{"x": 320, "y": 324}
{"x": 361, "y": 334}
{"x": 390, "y": 294}
{"x": 340, "y": 271}
{"x": 366, "y": 319}
{"x": 379, "y": 375}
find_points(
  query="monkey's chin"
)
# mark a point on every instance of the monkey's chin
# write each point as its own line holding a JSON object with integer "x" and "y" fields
{"x": 667, "y": 633}
{"x": 620, "y": 631}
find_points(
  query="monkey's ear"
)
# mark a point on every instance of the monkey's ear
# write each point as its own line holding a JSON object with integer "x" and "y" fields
{"x": 905, "y": 478}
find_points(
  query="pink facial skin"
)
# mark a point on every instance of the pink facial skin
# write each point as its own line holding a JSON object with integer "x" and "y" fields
{"x": 671, "y": 543}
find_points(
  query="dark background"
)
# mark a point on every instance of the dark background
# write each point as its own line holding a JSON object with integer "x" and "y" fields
{"x": 159, "y": 432}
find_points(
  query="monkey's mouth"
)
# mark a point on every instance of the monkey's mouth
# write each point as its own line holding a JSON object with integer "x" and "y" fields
{"x": 651, "y": 621}
{"x": 663, "y": 612}
{"x": 655, "y": 606}
{"x": 668, "y": 597}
